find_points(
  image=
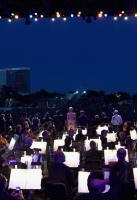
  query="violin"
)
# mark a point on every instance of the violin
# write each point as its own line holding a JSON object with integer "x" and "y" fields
{"x": 3, "y": 141}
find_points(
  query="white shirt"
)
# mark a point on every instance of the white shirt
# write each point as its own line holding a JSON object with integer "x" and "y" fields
{"x": 116, "y": 119}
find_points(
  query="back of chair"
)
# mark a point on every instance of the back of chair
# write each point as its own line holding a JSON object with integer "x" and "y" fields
{"x": 93, "y": 164}
{"x": 55, "y": 191}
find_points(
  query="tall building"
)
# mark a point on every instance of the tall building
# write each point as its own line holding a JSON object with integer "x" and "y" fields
{"x": 16, "y": 78}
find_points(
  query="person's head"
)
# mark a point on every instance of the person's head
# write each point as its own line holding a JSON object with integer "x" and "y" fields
{"x": 95, "y": 175}
{"x": 47, "y": 114}
{"x": 92, "y": 144}
{"x": 96, "y": 116}
{"x": 2, "y": 116}
{"x": 36, "y": 116}
{"x": 80, "y": 131}
{"x": 122, "y": 135}
{"x": 28, "y": 141}
{"x": 115, "y": 112}
{"x": 25, "y": 125}
{"x": 71, "y": 132}
{"x": 82, "y": 112}
{"x": 67, "y": 141}
{"x": 58, "y": 112}
{"x": 103, "y": 114}
{"x": 104, "y": 133}
{"x": 18, "y": 128}
{"x": 121, "y": 154}
{"x": 59, "y": 157}
{"x": 3, "y": 183}
{"x": 8, "y": 116}
{"x": 70, "y": 109}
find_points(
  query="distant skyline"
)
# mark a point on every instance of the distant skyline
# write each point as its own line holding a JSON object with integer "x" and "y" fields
{"x": 73, "y": 55}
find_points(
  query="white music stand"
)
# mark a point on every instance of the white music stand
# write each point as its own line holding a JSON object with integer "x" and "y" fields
{"x": 135, "y": 177}
{"x": 82, "y": 183}
{"x": 97, "y": 141}
{"x": 111, "y": 137}
{"x": 39, "y": 145}
{"x": 25, "y": 179}
{"x": 58, "y": 143}
{"x": 111, "y": 156}
{"x": 27, "y": 160}
{"x": 100, "y": 128}
{"x": 133, "y": 135}
{"x": 72, "y": 159}
{"x": 12, "y": 143}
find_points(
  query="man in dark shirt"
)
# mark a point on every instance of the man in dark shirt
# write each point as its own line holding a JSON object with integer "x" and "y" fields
{"x": 59, "y": 121}
{"x": 82, "y": 120}
{"x": 46, "y": 119}
{"x": 6, "y": 196}
{"x": 120, "y": 173}
{"x": 60, "y": 173}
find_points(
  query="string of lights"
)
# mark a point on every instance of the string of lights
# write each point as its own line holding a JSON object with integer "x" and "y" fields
{"x": 57, "y": 15}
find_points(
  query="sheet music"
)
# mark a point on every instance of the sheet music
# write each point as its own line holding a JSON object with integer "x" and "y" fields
{"x": 72, "y": 159}
{"x": 39, "y": 145}
{"x": 97, "y": 141}
{"x": 12, "y": 143}
{"x": 82, "y": 182}
{"x": 25, "y": 178}
{"x": 58, "y": 143}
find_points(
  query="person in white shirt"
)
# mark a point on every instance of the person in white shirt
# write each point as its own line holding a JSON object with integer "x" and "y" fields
{"x": 71, "y": 119}
{"x": 116, "y": 120}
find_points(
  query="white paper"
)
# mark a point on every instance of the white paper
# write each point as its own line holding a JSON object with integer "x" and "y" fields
{"x": 97, "y": 141}
{"x": 39, "y": 145}
{"x": 27, "y": 160}
{"x": 12, "y": 143}
{"x": 58, "y": 143}
{"x": 72, "y": 159}
{"x": 25, "y": 178}
{"x": 133, "y": 135}
{"x": 135, "y": 177}
{"x": 111, "y": 156}
{"x": 100, "y": 128}
{"x": 111, "y": 137}
{"x": 82, "y": 182}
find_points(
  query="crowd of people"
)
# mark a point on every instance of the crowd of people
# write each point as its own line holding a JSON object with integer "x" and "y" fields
{"x": 70, "y": 127}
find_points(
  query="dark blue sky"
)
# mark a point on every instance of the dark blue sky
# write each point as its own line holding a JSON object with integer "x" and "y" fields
{"x": 73, "y": 55}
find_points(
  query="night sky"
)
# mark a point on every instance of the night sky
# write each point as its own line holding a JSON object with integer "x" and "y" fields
{"x": 73, "y": 55}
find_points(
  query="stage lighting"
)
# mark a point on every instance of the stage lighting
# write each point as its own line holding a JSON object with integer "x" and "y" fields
{"x": 100, "y": 15}
{"x": 126, "y": 18}
{"x": 27, "y": 21}
{"x": 16, "y": 16}
{"x": 105, "y": 15}
{"x": 53, "y": 19}
{"x": 84, "y": 92}
{"x": 35, "y": 19}
{"x": 0, "y": 17}
{"x": 122, "y": 12}
{"x": 64, "y": 18}
{"x": 88, "y": 20}
{"x": 120, "y": 15}
{"x": 9, "y": 20}
{"x": 76, "y": 92}
{"x": 71, "y": 15}
{"x": 41, "y": 16}
{"x": 135, "y": 15}
{"x": 115, "y": 18}
{"x": 30, "y": 16}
